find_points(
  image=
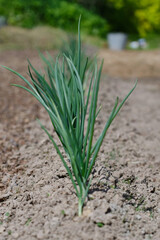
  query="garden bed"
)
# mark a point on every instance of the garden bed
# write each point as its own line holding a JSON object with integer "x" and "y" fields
{"x": 37, "y": 198}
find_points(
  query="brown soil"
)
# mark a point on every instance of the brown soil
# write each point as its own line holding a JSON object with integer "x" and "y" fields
{"x": 37, "y": 200}
{"x": 132, "y": 64}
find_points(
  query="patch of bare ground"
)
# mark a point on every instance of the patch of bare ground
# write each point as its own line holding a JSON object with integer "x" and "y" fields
{"x": 131, "y": 64}
{"x": 37, "y": 200}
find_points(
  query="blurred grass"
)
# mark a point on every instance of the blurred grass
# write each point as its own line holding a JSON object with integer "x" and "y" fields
{"x": 41, "y": 37}
{"x": 48, "y": 38}
{"x": 153, "y": 41}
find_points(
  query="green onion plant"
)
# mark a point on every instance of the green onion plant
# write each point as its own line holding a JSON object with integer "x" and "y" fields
{"x": 71, "y": 108}
{"x": 69, "y": 48}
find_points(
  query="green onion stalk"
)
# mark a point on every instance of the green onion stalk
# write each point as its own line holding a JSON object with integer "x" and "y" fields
{"x": 70, "y": 107}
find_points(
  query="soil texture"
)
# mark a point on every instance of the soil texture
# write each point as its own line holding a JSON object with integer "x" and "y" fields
{"x": 37, "y": 200}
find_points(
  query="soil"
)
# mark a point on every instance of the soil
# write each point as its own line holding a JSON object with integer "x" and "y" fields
{"x": 37, "y": 200}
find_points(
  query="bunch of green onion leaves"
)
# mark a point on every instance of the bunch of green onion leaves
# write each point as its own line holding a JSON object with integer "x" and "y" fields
{"x": 71, "y": 106}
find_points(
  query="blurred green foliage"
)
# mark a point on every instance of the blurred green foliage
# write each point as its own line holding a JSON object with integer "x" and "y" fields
{"x": 56, "y": 13}
{"x": 142, "y": 16}
{"x": 130, "y": 16}
{"x": 66, "y": 15}
{"x": 148, "y": 15}
{"x": 98, "y": 16}
{"x": 23, "y": 13}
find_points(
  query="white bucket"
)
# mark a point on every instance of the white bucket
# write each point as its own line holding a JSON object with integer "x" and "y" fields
{"x": 117, "y": 41}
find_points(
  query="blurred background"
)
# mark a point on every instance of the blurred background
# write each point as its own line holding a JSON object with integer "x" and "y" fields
{"x": 52, "y": 25}
{"x": 35, "y": 21}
